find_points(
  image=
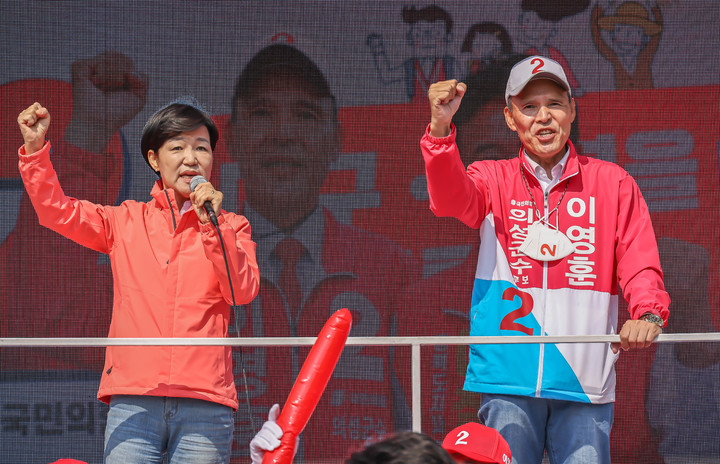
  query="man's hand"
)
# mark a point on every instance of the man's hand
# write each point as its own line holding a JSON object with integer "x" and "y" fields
{"x": 34, "y": 123}
{"x": 444, "y": 97}
{"x": 107, "y": 94}
{"x": 636, "y": 334}
{"x": 268, "y": 438}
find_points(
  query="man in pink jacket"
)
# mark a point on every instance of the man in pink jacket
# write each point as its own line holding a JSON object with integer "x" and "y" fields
{"x": 558, "y": 231}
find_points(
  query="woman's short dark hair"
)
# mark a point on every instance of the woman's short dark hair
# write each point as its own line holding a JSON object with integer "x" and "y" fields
{"x": 179, "y": 116}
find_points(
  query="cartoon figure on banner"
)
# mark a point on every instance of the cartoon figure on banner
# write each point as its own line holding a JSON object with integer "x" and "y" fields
{"x": 284, "y": 136}
{"x": 538, "y": 23}
{"x": 628, "y": 37}
{"x": 106, "y": 93}
{"x": 484, "y": 44}
{"x": 429, "y": 34}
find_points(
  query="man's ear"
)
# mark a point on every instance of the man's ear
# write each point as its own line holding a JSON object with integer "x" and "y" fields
{"x": 509, "y": 119}
{"x": 572, "y": 110}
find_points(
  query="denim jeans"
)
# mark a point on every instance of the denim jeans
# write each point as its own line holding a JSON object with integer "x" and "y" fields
{"x": 571, "y": 432}
{"x": 141, "y": 428}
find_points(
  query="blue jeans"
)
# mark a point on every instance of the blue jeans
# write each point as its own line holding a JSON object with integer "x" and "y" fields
{"x": 141, "y": 428}
{"x": 571, "y": 432}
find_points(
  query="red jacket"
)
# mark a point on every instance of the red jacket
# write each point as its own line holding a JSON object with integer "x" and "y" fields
{"x": 169, "y": 281}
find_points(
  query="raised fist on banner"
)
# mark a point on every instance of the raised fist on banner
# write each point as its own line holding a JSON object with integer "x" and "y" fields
{"x": 107, "y": 94}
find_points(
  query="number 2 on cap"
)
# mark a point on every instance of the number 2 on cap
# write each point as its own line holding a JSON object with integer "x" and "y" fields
{"x": 537, "y": 68}
{"x": 462, "y": 437}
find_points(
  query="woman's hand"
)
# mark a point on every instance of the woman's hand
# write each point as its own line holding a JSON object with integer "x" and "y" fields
{"x": 202, "y": 193}
{"x": 34, "y": 123}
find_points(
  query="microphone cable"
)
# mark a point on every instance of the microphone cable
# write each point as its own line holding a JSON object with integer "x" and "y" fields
{"x": 194, "y": 182}
{"x": 237, "y": 329}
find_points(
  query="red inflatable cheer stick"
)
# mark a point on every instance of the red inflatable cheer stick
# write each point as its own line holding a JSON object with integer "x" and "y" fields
{"x": 310, "y": 385}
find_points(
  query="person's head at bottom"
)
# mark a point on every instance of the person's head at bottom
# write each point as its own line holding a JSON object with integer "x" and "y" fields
{"x": 473, "y": 443}
{"x": 402, "y": 448}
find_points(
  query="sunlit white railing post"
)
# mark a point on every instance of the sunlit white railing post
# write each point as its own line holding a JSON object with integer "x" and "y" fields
{"x": 416, "y": 390}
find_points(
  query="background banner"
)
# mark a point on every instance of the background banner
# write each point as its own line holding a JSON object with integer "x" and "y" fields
{"x": 646, "y": 80}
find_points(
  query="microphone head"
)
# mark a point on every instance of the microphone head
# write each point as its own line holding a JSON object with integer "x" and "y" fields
{"x": 195, "y": 181}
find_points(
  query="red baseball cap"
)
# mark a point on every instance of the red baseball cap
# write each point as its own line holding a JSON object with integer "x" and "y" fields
{"x": 478, "y": 442}
{"x": 68, "y": 461}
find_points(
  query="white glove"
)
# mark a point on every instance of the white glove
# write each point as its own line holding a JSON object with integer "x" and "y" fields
{"x": 268, "y": 438}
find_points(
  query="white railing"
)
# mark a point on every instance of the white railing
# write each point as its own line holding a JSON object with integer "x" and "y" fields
{"x": 414, "y": 342}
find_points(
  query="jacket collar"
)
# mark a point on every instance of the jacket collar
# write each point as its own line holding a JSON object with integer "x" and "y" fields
{"x": 571, "y": 167}
{"x": 165, "y": 198}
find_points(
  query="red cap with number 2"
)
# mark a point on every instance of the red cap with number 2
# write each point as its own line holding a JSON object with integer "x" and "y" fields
{"x": 478, "y": 442}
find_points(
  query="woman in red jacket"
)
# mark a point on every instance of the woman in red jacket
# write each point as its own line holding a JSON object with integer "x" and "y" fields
{"x": 170, "y": 279}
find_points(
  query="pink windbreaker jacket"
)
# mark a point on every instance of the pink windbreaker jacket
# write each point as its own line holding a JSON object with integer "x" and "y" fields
{"x": 600, "y": 209}
{"x": 169, "y": 281}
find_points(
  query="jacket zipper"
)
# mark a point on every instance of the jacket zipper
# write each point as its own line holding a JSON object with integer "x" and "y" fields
{"x": 541, "y": 354}
{"x": 541, "y": 357}
{"x": 172, "y": 212}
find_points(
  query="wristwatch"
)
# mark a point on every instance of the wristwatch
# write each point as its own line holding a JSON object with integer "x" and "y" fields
{"x": 654, "y": 318}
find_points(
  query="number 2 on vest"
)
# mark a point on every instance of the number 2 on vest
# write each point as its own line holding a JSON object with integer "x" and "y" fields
{"x": 526, "y": 306}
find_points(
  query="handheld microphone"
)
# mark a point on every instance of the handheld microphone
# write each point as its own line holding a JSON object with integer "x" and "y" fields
{"x": 194, "y": 182}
